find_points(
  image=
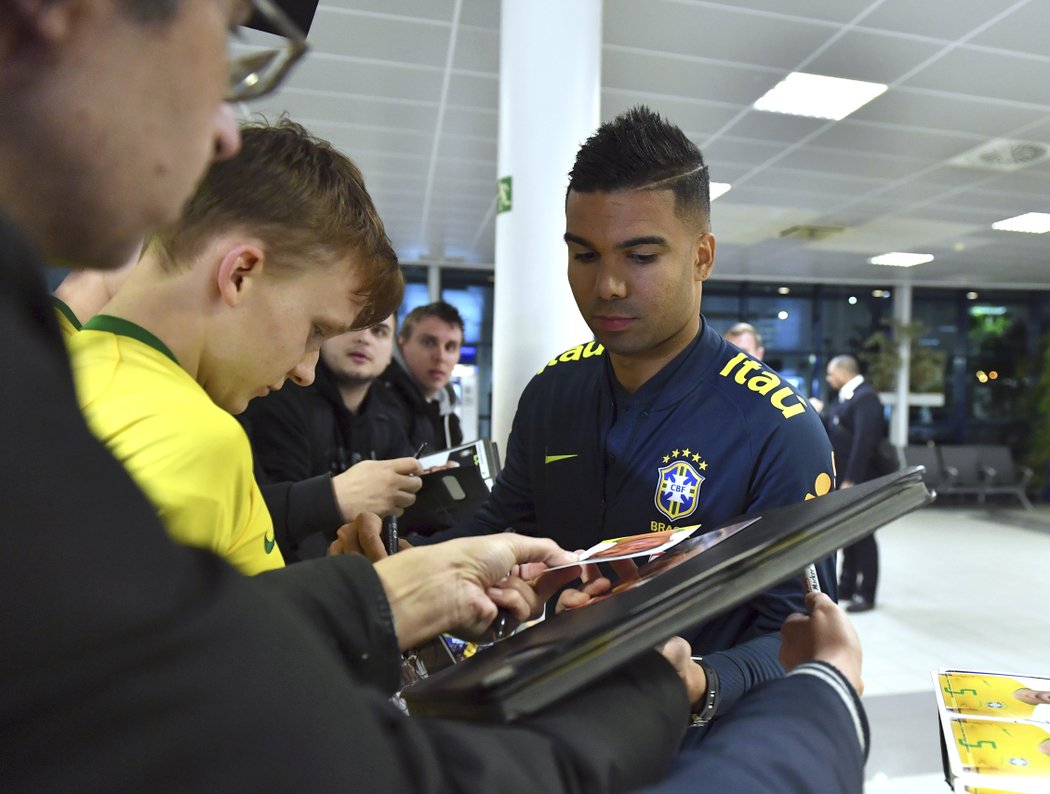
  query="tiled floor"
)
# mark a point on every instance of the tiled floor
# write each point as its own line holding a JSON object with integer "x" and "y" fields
{"x": 959, "y": 587}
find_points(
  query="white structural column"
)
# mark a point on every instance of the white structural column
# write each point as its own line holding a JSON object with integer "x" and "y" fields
{"x": 550, "y": 94}
{"x": 902, "y": 314}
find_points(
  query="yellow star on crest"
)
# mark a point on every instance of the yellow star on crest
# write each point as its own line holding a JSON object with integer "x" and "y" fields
{"x": 667, "y": 458}
{"x": 703, "y": 466}
{"x": 696, "y": 458}
{"x": 674, "y": 453}
{"x": 687, "y": 452}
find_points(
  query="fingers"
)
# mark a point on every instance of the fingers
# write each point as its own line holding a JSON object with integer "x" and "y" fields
{"x": 626, "y": 570}
{"x": 679, "y": 654}
{"x": 405, "y": 466}
{"x": 362, "y": 536}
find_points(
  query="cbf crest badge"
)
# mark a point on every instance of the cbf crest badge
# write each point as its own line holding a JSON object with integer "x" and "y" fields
{"x": 678, "y": 489}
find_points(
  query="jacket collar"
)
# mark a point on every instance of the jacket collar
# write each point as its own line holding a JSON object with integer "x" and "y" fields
{"x": 678, "y": 379}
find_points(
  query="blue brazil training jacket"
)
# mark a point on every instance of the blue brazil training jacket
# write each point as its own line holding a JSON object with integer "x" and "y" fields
{"x": 715, "y": 434}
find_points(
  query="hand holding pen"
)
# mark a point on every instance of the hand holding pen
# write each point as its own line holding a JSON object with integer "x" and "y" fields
{"x": 390, "y": 528}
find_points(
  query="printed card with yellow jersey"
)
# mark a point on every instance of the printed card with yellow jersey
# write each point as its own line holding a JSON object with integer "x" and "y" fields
{"x": 995, "y": 729}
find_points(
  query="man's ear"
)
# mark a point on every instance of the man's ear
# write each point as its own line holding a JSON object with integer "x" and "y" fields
{"x": 239, "y": 271}
{"x": 704, "y": 260}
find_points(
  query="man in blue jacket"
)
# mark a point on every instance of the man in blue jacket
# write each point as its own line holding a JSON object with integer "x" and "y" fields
{"x": 657, "y": 423}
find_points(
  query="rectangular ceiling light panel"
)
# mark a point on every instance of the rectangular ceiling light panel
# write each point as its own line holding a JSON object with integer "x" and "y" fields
{"x": 817, "y": 96}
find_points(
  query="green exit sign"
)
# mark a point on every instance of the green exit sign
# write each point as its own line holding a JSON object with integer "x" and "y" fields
{"x": 504, "y": 195}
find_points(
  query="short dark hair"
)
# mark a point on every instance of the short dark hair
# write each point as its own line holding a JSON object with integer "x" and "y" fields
{"x": 445, "y": 312}
{"x": 640, "y": 150}
{"x": 304, "y": 199}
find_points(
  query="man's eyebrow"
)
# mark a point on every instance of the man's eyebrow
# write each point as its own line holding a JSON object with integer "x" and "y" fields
{"x": 651, "y": 239}
{"x": 569, "y": 237}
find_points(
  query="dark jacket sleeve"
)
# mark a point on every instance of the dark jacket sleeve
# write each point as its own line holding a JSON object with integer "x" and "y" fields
{"x": 866, "y": 420}
{"x": 150, "y": 666}
{"x": 301, "y": 501}
{"x": 803, "y": 734}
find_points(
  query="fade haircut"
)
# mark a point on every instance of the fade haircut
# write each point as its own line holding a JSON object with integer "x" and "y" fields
{"x": 639, "y": 150}
{"x": 306, "y": 201}
{"x": 445, "y": 312}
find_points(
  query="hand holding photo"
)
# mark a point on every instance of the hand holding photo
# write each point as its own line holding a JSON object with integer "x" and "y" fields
{"x": 646, "y": 544}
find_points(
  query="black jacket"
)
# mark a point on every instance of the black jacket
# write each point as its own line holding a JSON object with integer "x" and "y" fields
{"x": 300, "y": 438}
{"x": 855, "y": 427}
{"x": 422, "y": 418}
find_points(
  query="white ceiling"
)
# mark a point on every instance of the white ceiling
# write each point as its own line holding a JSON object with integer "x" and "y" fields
{"x": 409, "y": 89}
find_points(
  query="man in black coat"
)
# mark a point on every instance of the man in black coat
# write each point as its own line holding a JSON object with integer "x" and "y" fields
{"x": 428, "y": 345}
{"x": 856, "y": 425}
{"x": 343, "y": 428}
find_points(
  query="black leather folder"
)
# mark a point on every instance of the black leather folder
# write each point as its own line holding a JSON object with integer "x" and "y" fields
{"x": 687, "y": 586}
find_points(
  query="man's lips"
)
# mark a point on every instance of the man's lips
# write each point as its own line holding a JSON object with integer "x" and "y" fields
{"x": 612, "y": 323}
{"x": 360, "y": 358}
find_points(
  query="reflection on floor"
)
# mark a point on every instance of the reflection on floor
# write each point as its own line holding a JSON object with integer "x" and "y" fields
{"x": 961, "y": 587}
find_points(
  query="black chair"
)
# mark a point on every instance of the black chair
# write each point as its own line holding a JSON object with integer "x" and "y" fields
{"x": 935, "y": 477}
{"x": 1002, "y": 475}
{"x": 962, "y": 462}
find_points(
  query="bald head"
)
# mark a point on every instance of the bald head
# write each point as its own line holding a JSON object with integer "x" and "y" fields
{"x": 841, "y": 370}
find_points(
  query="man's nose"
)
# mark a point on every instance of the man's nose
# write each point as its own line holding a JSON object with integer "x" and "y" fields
{"x": 303, "y": 372}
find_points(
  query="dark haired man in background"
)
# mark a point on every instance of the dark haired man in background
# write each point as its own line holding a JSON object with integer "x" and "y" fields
{"x": 658, "y": 423}
{"x": 428, "y": 345}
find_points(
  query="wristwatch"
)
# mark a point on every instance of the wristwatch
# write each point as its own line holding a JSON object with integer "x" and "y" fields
{"x": 703, "y": 710}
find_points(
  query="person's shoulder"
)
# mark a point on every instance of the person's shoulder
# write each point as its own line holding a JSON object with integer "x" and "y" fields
{"x": 579, "y": 360}
{"x": 764, "y": 395}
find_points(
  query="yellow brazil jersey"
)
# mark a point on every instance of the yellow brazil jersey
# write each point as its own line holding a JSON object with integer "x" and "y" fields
{"x": 983, "y": 694}
{"x": 189, "y": 456}
{"x": 68, "y": 323}
{"x": 990, "y": 747}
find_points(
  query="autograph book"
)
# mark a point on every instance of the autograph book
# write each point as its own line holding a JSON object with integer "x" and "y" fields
{"x": 692, "y": 582}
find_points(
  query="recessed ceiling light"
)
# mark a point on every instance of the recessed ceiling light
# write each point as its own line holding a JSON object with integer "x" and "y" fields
{"x": 719, "y": 189}
{"x": 1031, "y": 222}
{"x": 784, "y": 290}
{"x": 852, "y": 300}
{"x": 901, "y": 259}
{"x": 972, "y": 296}
{"x": 801, "y": 94}
{"x": 783, "y": 315}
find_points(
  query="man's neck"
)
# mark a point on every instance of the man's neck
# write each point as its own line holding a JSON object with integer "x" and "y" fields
{"x": 353, "y": 394}
{"x": 85, "y": 292}
{"x": 168, "y": 305}
{"x": 634, "y": 370}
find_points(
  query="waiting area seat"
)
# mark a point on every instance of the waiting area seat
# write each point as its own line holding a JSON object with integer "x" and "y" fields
{"x": 970, "y": 470}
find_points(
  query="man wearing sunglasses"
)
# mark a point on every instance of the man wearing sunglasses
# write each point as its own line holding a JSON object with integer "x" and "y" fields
{"x": 131, "y": 663}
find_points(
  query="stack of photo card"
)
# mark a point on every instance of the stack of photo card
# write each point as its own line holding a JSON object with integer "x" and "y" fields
{"x": 995, "y": 731}
{"x": 686, "y": 576}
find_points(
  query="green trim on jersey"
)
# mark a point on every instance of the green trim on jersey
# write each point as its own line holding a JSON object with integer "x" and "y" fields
{"x": 66, "y": 312}
{"x": 118, "y": 325}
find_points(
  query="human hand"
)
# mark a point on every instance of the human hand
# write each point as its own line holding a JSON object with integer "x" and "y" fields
{"x": 460, "y": 585}
{"x": 363, "y": 536}
{"x": 679, "y": 654}
{"x": 825, "y": 634}
{"x": 384, "y": 487}
{"x": 817, "y": 404}
{"x": 594, "y": 584}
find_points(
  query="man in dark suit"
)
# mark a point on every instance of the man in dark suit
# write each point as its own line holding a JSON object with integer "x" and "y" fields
{"x": 855, "y": 425}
